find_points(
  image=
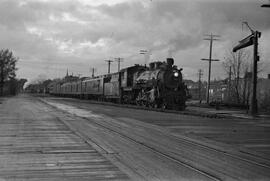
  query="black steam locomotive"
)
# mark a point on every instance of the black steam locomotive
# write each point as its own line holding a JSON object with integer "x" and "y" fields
{"x": 160, "y": 85}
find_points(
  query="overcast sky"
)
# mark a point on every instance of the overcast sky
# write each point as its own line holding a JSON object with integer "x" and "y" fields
{"x": 51, "y": 36}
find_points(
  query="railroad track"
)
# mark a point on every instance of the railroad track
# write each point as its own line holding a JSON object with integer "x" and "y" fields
{"x": 189, "y": 144}
{"x": 86, "y": 139}
{"x": 210, "y": 176}
{"x": 183, "y": 112}
{"x": 155, "y": 142}
{"x": 195, "y": 143}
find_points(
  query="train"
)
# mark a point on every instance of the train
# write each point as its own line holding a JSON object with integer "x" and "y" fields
{"x": 159, "y": 85}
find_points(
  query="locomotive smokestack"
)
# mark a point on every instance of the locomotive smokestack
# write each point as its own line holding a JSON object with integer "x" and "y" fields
{"x": 152, "y": 65}
{"x": 170, "y": 61}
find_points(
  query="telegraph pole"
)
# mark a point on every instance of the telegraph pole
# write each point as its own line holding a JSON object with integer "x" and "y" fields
{"x": 200, "y": 73}
{"x": 93, "y": 71}
{"x": 230, "y": 82}
{"x": 109, "y": 65}
{"x": 211, "y": 38}
{"x": 119, "y": 60}
{"x": 252, "y": 39}
{"x": 254, "y": 104}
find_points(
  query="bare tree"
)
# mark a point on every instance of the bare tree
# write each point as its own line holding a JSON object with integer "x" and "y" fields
{"x": 7, "y": 67}
{"x": 239, "y": 65}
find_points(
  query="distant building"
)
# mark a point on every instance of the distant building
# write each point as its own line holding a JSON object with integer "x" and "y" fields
{"x": 196, "y": 91}
{"x": 218, "y": 91}
{"x": 225, "y": 91}
{"x": 70, "y": 78}
{"x": 263, "y": 93}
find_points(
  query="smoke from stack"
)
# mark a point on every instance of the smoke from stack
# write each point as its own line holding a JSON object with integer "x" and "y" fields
{"x": 170, "y": 53}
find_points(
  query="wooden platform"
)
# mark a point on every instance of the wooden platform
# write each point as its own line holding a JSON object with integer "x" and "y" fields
{"x": 174, "y": 137}
{"x": 36, "y": 146}
{"x": 46, "y": 139}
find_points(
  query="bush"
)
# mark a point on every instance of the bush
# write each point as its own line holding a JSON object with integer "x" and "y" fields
{"x": 264, "y": 104}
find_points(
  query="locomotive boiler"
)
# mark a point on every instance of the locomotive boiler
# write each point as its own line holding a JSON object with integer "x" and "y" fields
{"x": 161, "y": 86}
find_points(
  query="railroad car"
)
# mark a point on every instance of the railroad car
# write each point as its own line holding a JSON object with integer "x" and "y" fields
{"x": 112, "y": 91}
{"x": 160, "y": 85}
{"x": 92, "y": 88}
{"x": 79, "y": 88}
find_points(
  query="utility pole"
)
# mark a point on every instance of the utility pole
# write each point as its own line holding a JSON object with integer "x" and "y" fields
{"x": 119, "y": 60}
{"x": 252, "y": 39}
{"x": 254, "y": 104}
{"x": 200, "y": 74}
{"x": 230, "y": 83}
{"x": 109, "y": 65}
{"x": 211, "y": 38}
{"x": 93, "y": 71}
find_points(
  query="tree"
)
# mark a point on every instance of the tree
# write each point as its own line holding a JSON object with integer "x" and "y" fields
{"x": 7, "y": 67}
{"x": 239, "y": 64}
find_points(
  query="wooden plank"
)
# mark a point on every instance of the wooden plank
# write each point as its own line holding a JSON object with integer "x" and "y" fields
{"x": 34, "y": 145}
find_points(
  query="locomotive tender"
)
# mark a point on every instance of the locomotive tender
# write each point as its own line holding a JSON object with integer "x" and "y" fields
{"x": 160, "y": 85}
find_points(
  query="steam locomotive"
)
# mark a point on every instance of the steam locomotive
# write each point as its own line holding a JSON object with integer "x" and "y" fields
{"x": 160, "y": 86}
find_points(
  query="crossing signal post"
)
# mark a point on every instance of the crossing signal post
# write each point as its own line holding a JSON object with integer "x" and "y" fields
{"x": 248, "y": 41}
{"x": 244, "y": 43}
{"x": 266, "y": 5}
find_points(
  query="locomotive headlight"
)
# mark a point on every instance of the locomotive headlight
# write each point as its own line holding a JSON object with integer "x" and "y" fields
{"x": 176, "y": 74}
